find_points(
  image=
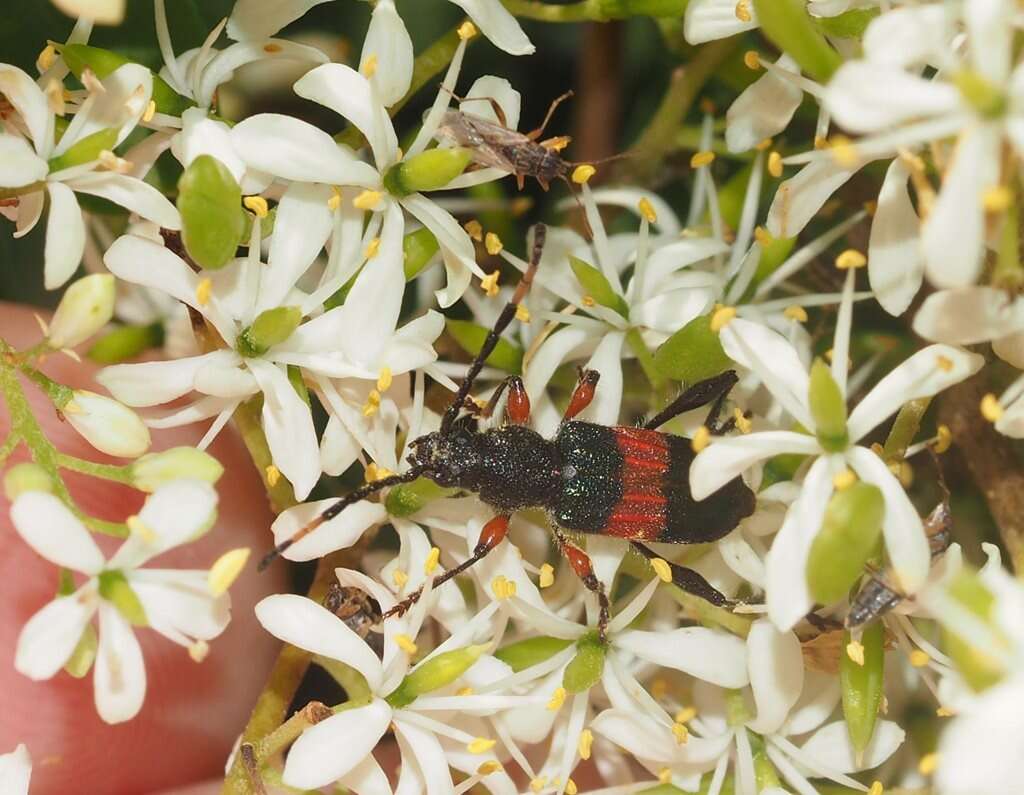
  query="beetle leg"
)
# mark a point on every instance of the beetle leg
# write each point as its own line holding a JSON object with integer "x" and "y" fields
{"x": 583, "y": 394}
{"x": 580, "y": 562}
{"x": 498, "y": 112}
{"x": 687, "y": 579}
{"x": 710, "y": 390}
{"x": 533, "y": 135}
{"x": 518, "y": 407}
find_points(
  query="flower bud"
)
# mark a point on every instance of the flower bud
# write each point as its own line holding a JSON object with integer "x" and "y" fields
{"x": 428, "y": 170}
{"x": 526, "y": 653}
{"x": 114, "y": 587}
{"x": 417, "y": 249}
{"x": 585, "y": 669}
{"x": 126, "y": 342}
{"x": 24, "y": 477}
{"x": 406, "y": 499}
{"x": 86, "y": 150}
{"x": 828, "y": 407}
{"x": 693, "y": 353}
{"x": 109, "y": 426}
{"x": 978, "y": 669}
{"x": 155, "y": 469}
{"x": 86, "y": 307}
{"x": 435, "y": 673}
{"x": 268, "y": 329}
{"x": 848, "y": 538}
{"x": 861, "y": 683}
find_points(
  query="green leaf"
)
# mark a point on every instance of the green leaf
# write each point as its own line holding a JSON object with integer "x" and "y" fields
{"x": 87, "y": 149}
{"x": 470, "y": 336}
{"x": 693, "y": 353}
{"x": 103, "y": 62}
{"x": 597, "y": 286}
{"x": 789, "y": 27}
{"x": 828, "y": 408}
{"x": 862, "y": 685}
{"x": 526, "y": 653}
{"x": 126, "y": 342}
{"x": 209, "y": 200}
{"x": 406, "y": 499}
{"x": 585, "y": 669}
{"x": 848, "y": 25}
{"x": 417, "y": 250}
{"x": 849, "y": 536}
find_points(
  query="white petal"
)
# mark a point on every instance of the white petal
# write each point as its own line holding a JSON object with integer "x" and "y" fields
{"x": 906, "y": 36}
{"x": 776, "y": 667}
{"x": 340, "y": 532}
{"x": 16, "y": 771}
{"x": 411, "y": 347}
{"x": 607, "y": 360}
{"x": 987, "y": 23}
{"x": 131, "y": 193}
{"x": 221, "y": 67}
{"x": 109, "y": 426}
{"x": 330, "y": 749}
{"x": 152, "y": 383}
{"x": 257, "y": 19}
{"x": 119, "y": 674}
{"x": 304, "y": 623}
{"x": 366, "y": 778}
{"x": 292, "y": 149}
{"x": 816, "y": 704}
{"x": 498, "y": 25}
{"x": 388, "y": 41}
{"x": 969, "y": 315}
{"x": 500, "y": 90}
{"x": 19, "y": 165}
{"x": 338, "y": 448}
{"x": 201, "y": 135}
{"x": 179, "y": 605}
{"x": 65, "y": 236}
{"x": 863, "y": 96}
{"x": 714, "y": 19}
{"x": 799, "y": 198}
{"x": 716, "y": 657}
{"x": 926, "y": 373}
{"x": 27, "y": 213}
{"x": 1010, "y": 349}
{"x": 120, "y": 105}
{"x": 726, "y": 458}
{"x": 831, "y": 747}
{"x": 763, "y": 110}
{"x": 895, "y": 264}
{"x": 30, "y": 102}
{"x": 301, "y": 228}
{"x": 288, "y": 424}
{"x": 423, "y": 746}
{"x": 48, "y": 638}
{"x": 48, "y": 526}
{"x": 905, "y": 541}
{"x": 953, "y": 235}
{"x": 456, "y": 246}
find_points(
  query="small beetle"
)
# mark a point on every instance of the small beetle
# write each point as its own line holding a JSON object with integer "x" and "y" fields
{"x": 627, "y": 482}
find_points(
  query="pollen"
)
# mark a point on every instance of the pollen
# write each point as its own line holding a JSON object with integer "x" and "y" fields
{"x": 464, "y": 691}
{"x": 547, "y": 576}
{"x": 406, "y": 644}
{"x": 374, "y": 472}
{"x": 384, "y": 379}
{"x": 135, "y": 524}
{"x": 581, "y": 174}
{"x": 647, "y": 210}
{"x": 928, "y": 764}
{"x": 372, "y": 403}
{"x": 489, "y": 284}
{"x": 493, "y": 244}
{"x": 46, "y": 57}
{"x": 855, "y": 651}
{"x": 369, "y": 68}
{"x": 367, "y": 200}
{"x": 198, "y": 650}
{"x": 990, "y": 408}
{"x": 721, "y": 317}
{"x": 943, "y": 439}
{"x": 586, "y": 743}
{"x": 474, "y": 230}
{"x": 844, "y": 152}
{"x": 742, "y": 421}
{"x": 851, "y": 258}
{"x": 820, "y": 142}
{"x": 257, "y": 205}
{"x": 149, "y": 112}
{"x": 433, "y": 558}
{"x": 372, "y": 248}
{"x": 701, "y": 159}
{"x": 919, "y": 658}
{"x": 797, "y": 313}
{"x": 876, "y": 788}
{"x": 557, "y": 699}
{"x": 762, "y": 235}
{"x": 467, "y": 30}
{"x": 775, "y": 164}
{"x": 659, "y": 688}
{"x": 681, "y": 733}
{"x": 225, "y": 570}
{"x": 752, "y": 60}
{"x": 997, "y": 199}
{"x": 588, "y": 301}
{"x": 537, "y": 784}
{"x": 944, "y": 363}
{"x": 700, "y": 439}
{"x": 399, "y": 577}
{"x": 334, "y": 202}
{"x": 522, "y": 314}
{"x": 662, "y": 569}
{"x": 503, "y": 587}
{"x": 488, "y": 767}
{"x": 843, "y": 480}
{"x": 273, "y": 475}
{"x": 665, "y": 775}
{"x": 742, "y": 11}
{"x": 570, "y": 787}
{"x": 686, "y": 714}
{"x": 763, "y": 145}
{"x": 481, "y": 745}
{"x": 944, "y": 712}
{"x": 203, "y": 290}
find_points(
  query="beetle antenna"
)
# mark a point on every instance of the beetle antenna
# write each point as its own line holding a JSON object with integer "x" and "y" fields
{"x": 583, "y": 210}
{"x": 337, "y": 507}
{"x": 509, "y": 312}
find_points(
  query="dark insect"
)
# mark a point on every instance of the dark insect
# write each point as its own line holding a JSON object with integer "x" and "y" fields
{"x": 627, "y": 482}
{"x": 359, "y": 611}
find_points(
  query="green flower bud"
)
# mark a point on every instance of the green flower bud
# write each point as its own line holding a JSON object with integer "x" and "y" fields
{"x": 24, "y": 477}
{"x": 978, "y": 669}
{"x": 862, "y": 685}
{"x": 828, "y": 407}
{"x": 268, "y": 329}
{"x": 212, "y": 219}
{"x": 103, "y": 62}
{"x": 84, "y": 655}
{"x": 435, "y": 673}
{"x": 155, "y": 469}
{"x": 526, "y": 653}
{"x": 417, "y": 249}
{"x": 126, "y": 342}
{"x": 693, "y": 353}
{"x": 84, "y": 151}
{"x": 774, "y": 251}
{"x": 115, "y": 589}
{"x": 109, "y": 426}
{"x": 585, "y": 669}
{"x": 428, "y": 170}
{"x": 597, "y": 287}
{"x": 984, "y": 96}
{"x": 849, "y": 536}
{"x": 86, "y": 307}
{"x": 406, "y": 499}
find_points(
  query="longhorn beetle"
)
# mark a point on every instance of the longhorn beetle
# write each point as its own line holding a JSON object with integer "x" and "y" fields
{"x": 628, "y": 482}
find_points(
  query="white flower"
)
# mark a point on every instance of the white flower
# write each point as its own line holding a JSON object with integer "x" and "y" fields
{"x": 779, "y": 366}
{"x": 15, "y": 771}
{"x": 29, "y": 155}
{"x": 707, "y": 20}
{"x": 178, "y": 604}
{"x": 107, "y": 425}
{"x": 85, "y": 308}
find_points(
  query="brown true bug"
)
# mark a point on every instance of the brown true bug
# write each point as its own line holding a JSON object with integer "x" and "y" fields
{"x": 359, "y": 611}
{"x": 628, "y": 482}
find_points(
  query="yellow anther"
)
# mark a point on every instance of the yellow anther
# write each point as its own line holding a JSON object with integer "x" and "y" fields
{"x": 570, "y": 787}
{"x": 372, "y": 403}
{"x": 493, "y": 244}
{"x": 855, "y": 651}
{"x": 665, "y": 775}
{"x": 46, "y": 57}
{"x": 384, "y": 379}
{"x": 775, "y": 164}
{"x": 763, "y": 145}
{"x": 647, "y": 210}
{"x": 198, "y": 650}
{"x": 372, "y": 248}
{"x": 762, "y": 236}
{"x": 557, "y": 699}
{"x": 851, "y": 258}
{"x": 721, "y": 317}
{"x": 433, "y": 558}
{"x": 225, "y": 570}
{"x": 488, "y": 767}
{"x": 273, "y": 475}
{"x": 751, "y": 59}
{"x": 537, "y": 784}
{"x": 743, "y": 422}
{"x": 474, "y": 230}
{"x": 398, "y": 576}
{"x": 150, "y": 111}
{"x": 369, "y": 67}
{"x": 405, "y": 643}
{"x": 136, "y": 525}
{"x": 334, "y": 202}
{"x": 997, "y": 199}
{"x": 876, "y": 788}
{"x": 820, "y": 142}
{"x": 928, "y": 764}
{"x": 272, "y": 48}
{"x": 944, "y": 712}
{"x": 257, "y": 205}
{"x": 797, "y": 313}
{"x": 489, "y": 284}
{"x": 467, "y": 30}
{"x": 374, "y": 472}
{"x": 522, "y": 314}
{"x": 481, "y": 745}
{"x": 662, "y": 569}
{"x": 686, "y": 714}
{"x": 919, "y": 658}
{"x": 586, "y": 743}
{"x": 700, "y": 159}
{"x": 588, "y": 301}
{"x": 943, "y": 439}
{"x": 547, "y": 576}
{"x": 944, "y": 363}
{"x": 871, "y": 207}
{"x": 700, "y": 439}
{"x": 367, "y": 199}
{"x": 464, "y": 691}
{"x": 742, "y": 11}
{"x": 659, "y": 688}
{"x": 503, "y": 587}
{"x": 990, "y": 408}
{"x": 112, "y": 162}
{"x": 843, "y": 480}
{"x": 582, "y": 174}
{"x": 681, "y": 733}
{"x": 203, "y": 290}
{"x": 844, "y": 152}
{"x": 54, "y": 92}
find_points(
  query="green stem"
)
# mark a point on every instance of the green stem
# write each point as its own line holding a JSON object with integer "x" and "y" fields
{"x": 9, "y": 446}
{"x": 285, "y": 734}
{"x": 905, "y": 428}
{"x": 119, "y": 474}
{"x": 247, "y": 420}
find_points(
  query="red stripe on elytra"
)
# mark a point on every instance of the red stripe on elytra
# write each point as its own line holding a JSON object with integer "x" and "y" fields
{"x": 635, "y": 526}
